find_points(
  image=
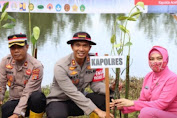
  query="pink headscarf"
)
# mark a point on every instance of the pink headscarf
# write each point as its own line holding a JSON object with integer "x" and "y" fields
{"x": 159, "y": 65}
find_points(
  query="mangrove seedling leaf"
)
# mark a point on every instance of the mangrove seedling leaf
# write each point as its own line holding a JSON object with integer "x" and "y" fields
{"x": 4, "y": 16}
{"x": 141, "y": 4}
{"x": 113, "y": 39}
{"x": 128, "y": 44}
{"x": 5, "y": 6}
{"x": 11, "y": 18}
{"x": 8, "y": 25}
{"x": 117, "y": 45}
{"x": 123, "y": 29}
{"x": 33, "y": 40}
{"x": 36, "y": 32}
{"x": 119, "y": 51}
{"x": 135, "y": 13}
{"x": 122, "y": 18}
{"x": 131, "y": 19}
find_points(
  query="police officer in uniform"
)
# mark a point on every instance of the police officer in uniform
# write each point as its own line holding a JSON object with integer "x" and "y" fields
{"x": 23, "y": 74}
{"x": 72, "y": 74}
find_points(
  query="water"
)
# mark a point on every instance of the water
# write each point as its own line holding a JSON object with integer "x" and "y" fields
{"x": 56, "y": 29}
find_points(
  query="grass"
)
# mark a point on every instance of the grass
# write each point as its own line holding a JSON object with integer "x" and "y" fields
{"x": 135, "y": 88}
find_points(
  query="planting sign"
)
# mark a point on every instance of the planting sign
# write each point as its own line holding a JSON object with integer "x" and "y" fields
{"x": 106, "y": 61}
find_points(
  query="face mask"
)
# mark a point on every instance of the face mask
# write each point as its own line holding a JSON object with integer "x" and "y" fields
{"x": 157, "y": 66}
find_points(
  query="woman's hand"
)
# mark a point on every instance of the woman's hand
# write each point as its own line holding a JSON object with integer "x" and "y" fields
{"x": 120, "y": 103}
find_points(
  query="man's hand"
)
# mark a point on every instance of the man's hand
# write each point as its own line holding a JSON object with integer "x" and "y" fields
{"x": 14, "y": 116}
{"x": 102, "y": 114}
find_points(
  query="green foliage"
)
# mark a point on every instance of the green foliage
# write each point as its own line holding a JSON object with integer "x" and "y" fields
{"x": 36, "y": 32}
{"x": 125, "y": 40}
{"x": 6, "y": 21}
{"x": 122, "y": 22}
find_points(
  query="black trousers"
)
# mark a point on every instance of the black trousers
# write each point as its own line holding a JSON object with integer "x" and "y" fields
{"x": 63, "y": 109}
{"x": 36, "y": 103}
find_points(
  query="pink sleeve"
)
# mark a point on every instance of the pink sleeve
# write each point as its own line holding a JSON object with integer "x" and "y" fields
{"x": 141, "y": 98}
{"x": 166, "y": 97}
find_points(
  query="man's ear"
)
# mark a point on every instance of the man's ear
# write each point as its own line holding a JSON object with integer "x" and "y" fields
{"x": 72, "y": 46}
{"x": 90, "y": 48}
{"x": 27, "y": 46}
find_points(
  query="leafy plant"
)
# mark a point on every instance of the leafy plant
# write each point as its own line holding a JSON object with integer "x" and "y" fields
{"x": 125, "y": 41}
{"x": 33, "y": 36}
{"x": 6, "y": 21}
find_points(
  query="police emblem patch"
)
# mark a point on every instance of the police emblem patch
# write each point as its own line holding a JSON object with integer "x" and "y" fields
{"x": 72, "y": 68}
{"x": 28, "y": 72}
{"x": 73, "y": 73}
{"x": 8, "y": 66}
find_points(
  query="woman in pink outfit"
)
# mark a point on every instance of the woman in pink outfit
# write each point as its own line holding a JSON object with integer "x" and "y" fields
{"x": 158, "y": 97}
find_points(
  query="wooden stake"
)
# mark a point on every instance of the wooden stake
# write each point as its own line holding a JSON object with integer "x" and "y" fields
{"x": 107, "y": 91}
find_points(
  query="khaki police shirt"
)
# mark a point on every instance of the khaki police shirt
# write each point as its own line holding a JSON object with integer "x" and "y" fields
{"x": 22, "y": 80}
{"x": 70, "y": 80}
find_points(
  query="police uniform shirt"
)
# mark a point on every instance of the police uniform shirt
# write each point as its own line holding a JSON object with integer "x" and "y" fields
{"x": 21, "y": 79}
{"x": 70, "y": 80}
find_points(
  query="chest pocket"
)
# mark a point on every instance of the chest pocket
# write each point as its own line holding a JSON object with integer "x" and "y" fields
{"x": 89, "y": 74}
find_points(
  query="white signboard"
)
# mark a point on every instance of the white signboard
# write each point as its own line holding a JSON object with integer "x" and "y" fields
{"x": 107, "y": 61}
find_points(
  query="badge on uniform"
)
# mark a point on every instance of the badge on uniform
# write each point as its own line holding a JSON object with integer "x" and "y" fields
{"x": 28, "y": 72}
{"x": 88, "y": 67}
{"x": 26, "y": 63}
{"x": 25, "y": 82}
{"x": 73, "y": 73}
{"x": 99, "y": 75}
{"x": 73, "y": 62}
{"x": 75, "y": 81}
{"x": 10, "y": 79}
{"x": 8, "y": 66}
{"x": 72, "y": 68}
{"x": 35, "y": 74}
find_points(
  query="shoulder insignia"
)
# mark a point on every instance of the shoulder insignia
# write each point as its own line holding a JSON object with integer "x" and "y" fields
{"x": 73, "y": 62}
{"x": 26, "y": 63}
{"x": 36, "y": 71}
{"x": 28, "y": 72}
{"x": 72, "y": 68}
{"x": 73, "y": 73}
{"x": 8, "y": 66}
{"x": 35, "y": 76}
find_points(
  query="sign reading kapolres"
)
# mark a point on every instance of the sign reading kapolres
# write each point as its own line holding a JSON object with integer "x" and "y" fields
{"x": 106, "y": 61}
{"x": 158, "y": 2}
